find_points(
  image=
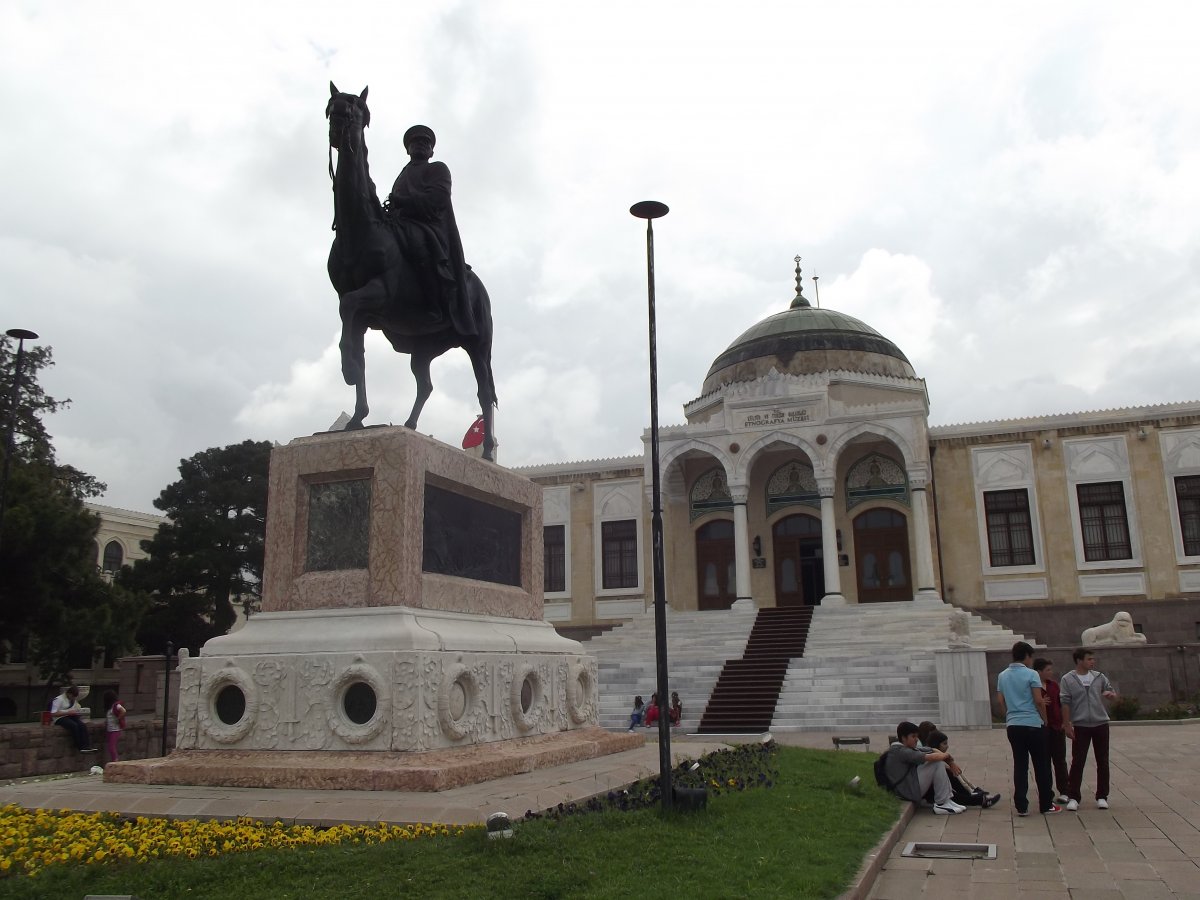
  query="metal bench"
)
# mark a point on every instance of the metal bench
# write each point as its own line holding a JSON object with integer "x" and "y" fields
{"x": 840, "y": 742}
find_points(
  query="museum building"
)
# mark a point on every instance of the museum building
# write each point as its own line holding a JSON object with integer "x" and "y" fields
{"x": 807, "y": 474}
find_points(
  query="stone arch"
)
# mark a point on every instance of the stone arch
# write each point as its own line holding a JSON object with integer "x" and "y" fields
{"x": 675, "y": 451}
{"x": 873, "y": 429}
{"x": 747, "y": 457}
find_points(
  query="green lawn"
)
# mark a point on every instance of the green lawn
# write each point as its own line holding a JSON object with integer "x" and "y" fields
{"x": 805, "y": 837}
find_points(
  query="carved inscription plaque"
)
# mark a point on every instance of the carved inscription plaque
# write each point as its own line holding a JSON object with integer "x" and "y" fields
{"x": 470, "y": 538}
{"x": 339, "y": 525}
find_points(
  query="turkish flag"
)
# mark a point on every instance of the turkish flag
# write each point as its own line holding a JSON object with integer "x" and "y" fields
{"x": 475, "y": 435}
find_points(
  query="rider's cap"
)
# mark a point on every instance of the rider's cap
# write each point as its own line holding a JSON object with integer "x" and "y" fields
{"x": 424, "y": 130}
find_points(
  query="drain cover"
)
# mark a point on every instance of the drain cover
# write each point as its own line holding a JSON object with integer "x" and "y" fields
{"x": 936, "y": 850}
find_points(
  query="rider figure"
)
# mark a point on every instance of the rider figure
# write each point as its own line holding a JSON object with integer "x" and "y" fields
{"x": 420, "y": 211}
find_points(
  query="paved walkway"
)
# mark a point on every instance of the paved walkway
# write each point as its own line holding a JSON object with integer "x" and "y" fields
{"x": 1146, "y": 846}
{"x": 536, "y": 790}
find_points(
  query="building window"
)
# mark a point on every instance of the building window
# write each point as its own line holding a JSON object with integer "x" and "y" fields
{"x": 1009, "y": 527}
{"x": 1187, "y": 496}
{"x": 554, "y": 559}
{"x": 1104, "y": 522}
{"x": 113, "y": 556}
{"x": 618, "y": 551}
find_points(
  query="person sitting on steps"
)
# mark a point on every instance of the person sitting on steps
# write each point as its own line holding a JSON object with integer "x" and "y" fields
{"x": 639, "y": 710}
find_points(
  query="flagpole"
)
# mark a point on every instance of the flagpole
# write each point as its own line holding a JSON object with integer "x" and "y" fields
{"x": 651, "y": 210}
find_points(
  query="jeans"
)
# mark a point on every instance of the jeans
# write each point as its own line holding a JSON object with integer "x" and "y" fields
{"x": 1057, "y": 741}
{"x": 78, "y": 730}
{"x": 1085, "y": 735}
{"x": 1029, "y": 743}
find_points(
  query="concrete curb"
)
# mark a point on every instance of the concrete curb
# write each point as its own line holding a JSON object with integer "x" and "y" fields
{"x": 872, "y": 865}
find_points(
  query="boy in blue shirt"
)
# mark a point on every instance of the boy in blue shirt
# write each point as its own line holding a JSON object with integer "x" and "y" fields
{"x": 1023, "y": 703}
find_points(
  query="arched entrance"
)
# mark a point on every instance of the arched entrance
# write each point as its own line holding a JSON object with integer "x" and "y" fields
{"x": 799, "y": 570}
{"x": 716, "y": 580}
{"x": 881, "y": 548}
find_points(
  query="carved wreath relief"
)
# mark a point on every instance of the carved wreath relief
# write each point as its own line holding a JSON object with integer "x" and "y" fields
{"x": 382, "y": 701}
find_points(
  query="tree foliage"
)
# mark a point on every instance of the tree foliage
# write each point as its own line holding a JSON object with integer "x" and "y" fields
{"x": 209, "y": 557}
{"x": 52, "y": 599}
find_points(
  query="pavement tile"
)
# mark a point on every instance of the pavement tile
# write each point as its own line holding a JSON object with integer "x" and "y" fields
{"x": 988, "y": 891}
{"x": 1132, "y": 871}
{"x": 994, "y": 876}
{"x": 1034, "y": 874}
{"x": 1094, "y": 894}
{"x": 1113, "y": 853}
{"x": 1042, "y": 890}
{"x": 1036, "y": 859}
{"x": 1094, "y": 880}
{"x": 1164, "y": 850}
{"x": 1145, "y": 890}
{"x": 899, "y": 885}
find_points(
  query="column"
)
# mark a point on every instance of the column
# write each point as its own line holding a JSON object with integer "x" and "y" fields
{"x": 829, "y": 554}
{"x": 926, "y": 586}
{"x": 741, "y": 548}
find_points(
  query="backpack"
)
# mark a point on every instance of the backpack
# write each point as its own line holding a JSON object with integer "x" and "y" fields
{"x": 881, "y": 778}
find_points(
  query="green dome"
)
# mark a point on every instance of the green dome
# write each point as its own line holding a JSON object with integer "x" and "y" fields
{"x": 803, "y": 340}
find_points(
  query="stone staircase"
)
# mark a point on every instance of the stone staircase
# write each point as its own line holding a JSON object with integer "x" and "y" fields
{"x": 698, "y": 643}
{"x": 865, "y": 666}
{"x": 744, "y": 697}
{"x": 871, "y": 666}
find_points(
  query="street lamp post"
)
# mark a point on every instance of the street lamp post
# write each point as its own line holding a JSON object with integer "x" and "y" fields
{"x": 651, "y": 210}
{"x": 22, "y": 335}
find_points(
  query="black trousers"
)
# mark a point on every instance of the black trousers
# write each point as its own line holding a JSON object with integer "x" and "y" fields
{"x": 78, "y": 729}
{"x": 1029, "y": 744}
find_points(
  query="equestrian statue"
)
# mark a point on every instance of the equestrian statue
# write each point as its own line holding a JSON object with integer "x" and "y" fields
{"x": 399, "y": 267}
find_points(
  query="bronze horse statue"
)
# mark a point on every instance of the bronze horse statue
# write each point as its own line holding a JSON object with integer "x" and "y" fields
{"x": 379, "y": 286}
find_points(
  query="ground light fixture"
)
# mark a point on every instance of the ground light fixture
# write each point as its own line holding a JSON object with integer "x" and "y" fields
{"x": 499, "y": 826}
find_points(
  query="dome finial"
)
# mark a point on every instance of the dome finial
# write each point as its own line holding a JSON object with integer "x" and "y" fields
{"x": 800, "y": 301}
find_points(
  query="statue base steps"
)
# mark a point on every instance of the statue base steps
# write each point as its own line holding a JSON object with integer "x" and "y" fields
{"x": 436, "y": 770}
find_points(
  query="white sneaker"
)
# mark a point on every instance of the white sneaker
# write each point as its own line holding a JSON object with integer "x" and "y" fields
{"x": 947, "y": 809}
{"x": 1102, "y": 803}
{"x": 1073, "y": 806}
{"x": 1062, "y": 799}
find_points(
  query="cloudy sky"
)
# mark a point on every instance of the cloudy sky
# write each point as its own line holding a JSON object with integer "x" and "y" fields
{"x": 1013, "y": 196}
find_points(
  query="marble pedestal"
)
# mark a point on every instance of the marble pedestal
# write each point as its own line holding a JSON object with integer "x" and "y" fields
{"x": 964, "y": 695}
{"x": 402, "y": 613}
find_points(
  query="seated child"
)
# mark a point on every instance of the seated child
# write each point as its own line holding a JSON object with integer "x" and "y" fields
{"x": 652, "y": 712}
{"x": 964, "y": 792}
{"x": 635, "y": 717}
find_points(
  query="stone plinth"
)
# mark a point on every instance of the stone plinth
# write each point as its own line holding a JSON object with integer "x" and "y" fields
{"x": 389, "y": 517}
{"x": 402, "y": 615}
{"x": 321, "y": 770}
{"x": 964, "y": 692}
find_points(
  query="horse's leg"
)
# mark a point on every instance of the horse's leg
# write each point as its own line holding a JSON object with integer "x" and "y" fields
{"x": 479, "y": 352}
{"x": 420, "y": 368}
{"x": 353, "y": 309}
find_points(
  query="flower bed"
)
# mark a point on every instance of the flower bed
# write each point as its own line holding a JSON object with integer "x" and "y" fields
{"x": 31, "y": 840}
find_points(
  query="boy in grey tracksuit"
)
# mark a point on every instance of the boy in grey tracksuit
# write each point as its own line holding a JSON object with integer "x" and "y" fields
{"x": 1085, "y": 721}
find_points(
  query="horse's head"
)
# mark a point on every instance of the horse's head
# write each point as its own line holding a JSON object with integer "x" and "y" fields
{"x": 348, "y": 115}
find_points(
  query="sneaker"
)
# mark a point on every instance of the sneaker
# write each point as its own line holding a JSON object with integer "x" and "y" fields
{"x": 88, "y": 750}
{"x": 1062, "y": 799}
{"x": 947, "y": 809}
{"x": 1054, "y": 808}
{"x": 1073, "y": 806}
{"x": 990, "y": 801}
{"x": 1022, "y": 813}
{"x": 1102, "y": 803}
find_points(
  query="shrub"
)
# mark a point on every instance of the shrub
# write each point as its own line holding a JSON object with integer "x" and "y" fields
{"x": 1172, "y": 711}
{"x": 1126, "y": 708}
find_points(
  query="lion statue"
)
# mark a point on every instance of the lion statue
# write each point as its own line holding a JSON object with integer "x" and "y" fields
{"x": 1118, "y": 631}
